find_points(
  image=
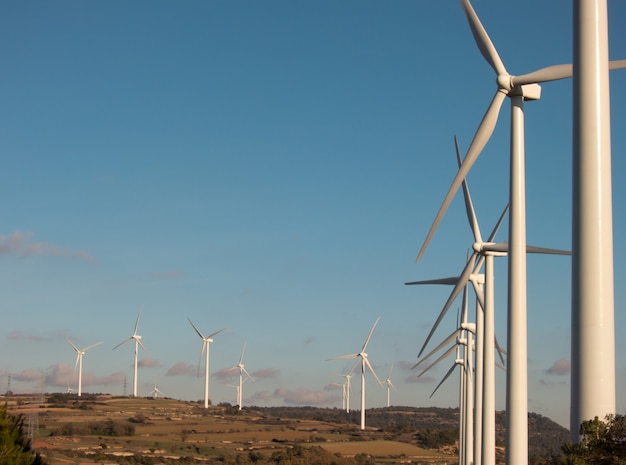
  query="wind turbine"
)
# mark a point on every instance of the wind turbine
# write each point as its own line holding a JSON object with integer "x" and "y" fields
{"x": 79, "y": 362}
{"x": 156, "y": 391}
{"x": 484, "y": 252}
{"x": 206, "y": 342}
{"x": 137, "y": 338}
{"x": 347, "y": 389}
{"x": 242, "y": 369}
{"x": 463, "y": 337}
{"x": 389, "y": 386}
{"x": 364, "y": 362}
{"x": 518, "y": 89}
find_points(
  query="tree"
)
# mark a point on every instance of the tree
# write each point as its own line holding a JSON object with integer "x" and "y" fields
{"x": 602, "y": 443}
{"x": 14, "y": 446}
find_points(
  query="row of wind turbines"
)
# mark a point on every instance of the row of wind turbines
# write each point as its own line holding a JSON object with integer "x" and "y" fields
{"x": 593, "y": 352}
{"x": 204, "y": 352}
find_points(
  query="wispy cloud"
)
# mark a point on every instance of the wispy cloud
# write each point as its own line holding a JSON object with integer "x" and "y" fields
{"x": 20, "y": 244}
{"x": 226, "y": 374}
{"x": 182, "y": 369}
{"x": 148, "y": 362}
{"x": 419, "y": 379}
{"x": 561, "y": 367}
{"x": 27, "y": 375}
{"x": 296, "y": 397}
{"x": 21, "y": 336}
{"x": 63, "y": 375}
{"x": 266, "y": 373}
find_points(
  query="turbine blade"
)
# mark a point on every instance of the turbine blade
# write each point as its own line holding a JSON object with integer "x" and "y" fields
{"x": 550, "y": 73}
{"x": 77, "y": 360}
{"x": 342, "y": 357}
{"x": 543, "y": 250}
{"x": 248, "y": 374}
{"x": 556, "y": 72}
{"x": 194, "y": 327}
{"x": 467, "y": 271}
{"x": 356, "y": 364}
{"x": 485, "y": 129}
{"x": 72, "y": 344}
{"x": 141, "y": 344}
{"x": 369, "y": 365}
{"x": 204, "y": 343}
{"x": 441, "y": 357}
{"x": 92, "y": 346}
{"x": 445, "y": 342}
{"x": 486, "y": 47}
{"x": 444, "y": 378}
{"x": 242, "y": 352}
{"x": 452, "y": 280}
{"x": 500, "y": 351}
{"x": 123, "y": 342}
{"x": 617, "y": 64}
{"x": 492, "y": 236}
{"x": 216, "y": 332}
{"x": 469, "y": 206}
{"x": 370, "y": 335}
{"x": 137, "y": 321}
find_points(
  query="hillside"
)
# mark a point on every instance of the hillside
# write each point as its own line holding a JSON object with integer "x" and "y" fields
{"x": 106, "y": 429}
{"x": 545, "y": 436}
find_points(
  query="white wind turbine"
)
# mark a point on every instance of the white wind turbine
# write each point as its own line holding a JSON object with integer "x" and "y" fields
{"x": 206, "y": 342}
{"x": 242, "y": 369}
{"x": 364, "y": 363}
{"x": 137, "y": 338}
{"x": 390, "y": 386}
{"x": 463, "y": 337}
{"x": 518, "y": 89}
{"x": 484, "y": 252}
{"x": 79, "y": 362}
{"x": 347, "y": 388}
{"x": 156, "y": 391}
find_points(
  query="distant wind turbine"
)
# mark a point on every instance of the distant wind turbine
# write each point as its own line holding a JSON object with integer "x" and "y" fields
{"x": 156, "y": 391}
{"x": 137, "y": 338}
{"x": 206, "y": 342}
{"x": 242, "y": 369}
{"x": 79, "y": 362}
{"x": 348, "y": 387}
{"x": 364, "y": 362}
{"x": 389, "y": 386}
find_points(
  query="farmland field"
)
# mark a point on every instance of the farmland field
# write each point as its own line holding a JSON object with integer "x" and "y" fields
{"x": 104, "y": 429}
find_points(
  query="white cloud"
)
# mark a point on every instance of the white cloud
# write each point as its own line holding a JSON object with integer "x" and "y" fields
{"x": 19, "y": 243}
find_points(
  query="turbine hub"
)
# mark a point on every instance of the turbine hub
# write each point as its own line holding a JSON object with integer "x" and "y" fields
{"x": 505, "y": 82}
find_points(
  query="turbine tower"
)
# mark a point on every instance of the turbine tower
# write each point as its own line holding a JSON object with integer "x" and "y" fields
{"x": 364, "y": 363}
{"x": 79, "y": 362}
{"x": 242, "y": 369}
{"x": 206, "y": 342}
{"x": 593, "y": 313}
{"x": 389, "y": 385}
{"x": 137, "y": 338}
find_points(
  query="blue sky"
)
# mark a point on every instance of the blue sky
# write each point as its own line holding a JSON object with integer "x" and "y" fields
{"x": 273, "y": 167}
